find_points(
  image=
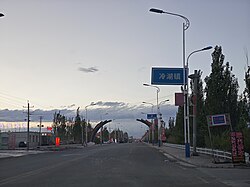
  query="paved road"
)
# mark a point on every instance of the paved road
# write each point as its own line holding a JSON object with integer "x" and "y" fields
{"x": 112, "y": 165}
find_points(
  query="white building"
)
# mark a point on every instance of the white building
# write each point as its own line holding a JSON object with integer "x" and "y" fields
{"x": 11, "y": 140}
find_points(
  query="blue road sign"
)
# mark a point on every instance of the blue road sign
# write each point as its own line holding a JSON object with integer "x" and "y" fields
{"x": 151, "y": 116}
{"x": 167, "y": 76}
{"x": 219, "y": 119}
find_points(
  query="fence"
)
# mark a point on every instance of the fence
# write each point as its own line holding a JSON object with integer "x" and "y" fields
{"x": 212, "y": 152}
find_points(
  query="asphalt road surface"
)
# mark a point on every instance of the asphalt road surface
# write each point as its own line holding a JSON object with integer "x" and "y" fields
{"x": 131, "y": 165}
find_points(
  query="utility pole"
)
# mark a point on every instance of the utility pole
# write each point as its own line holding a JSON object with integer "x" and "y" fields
{"x": 195, "y": 77}
{"x": 28, "y": 125}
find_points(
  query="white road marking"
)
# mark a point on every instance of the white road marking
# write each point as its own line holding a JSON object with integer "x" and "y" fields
{"x": 203, "y": 180}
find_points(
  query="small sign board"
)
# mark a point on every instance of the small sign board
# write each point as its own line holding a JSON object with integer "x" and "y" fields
{"x": 151, "y": 116}
{"x": 179, "y": 99}
{"x": 218, "y": 120}
{"x": 167, "y": 76}
{"x": 238, "y": 153}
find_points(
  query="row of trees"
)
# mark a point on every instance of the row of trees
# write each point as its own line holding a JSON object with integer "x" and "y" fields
{"x": 219, "y": 96}
{"x": 70, "y": 130}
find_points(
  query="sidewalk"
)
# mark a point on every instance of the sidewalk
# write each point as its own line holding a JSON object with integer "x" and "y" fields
{"x": 17, "y": 153}
{"x": 37, "y": 150}
{"x": 196, "y": 161}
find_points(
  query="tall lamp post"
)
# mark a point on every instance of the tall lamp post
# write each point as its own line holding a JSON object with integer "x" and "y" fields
{"x": 195, "y": 78}
{"x": 185, "y": 26}
{"x": 86, "y": 126}
{"x": 152, "y": 109}
{"x": 158, "y": 111}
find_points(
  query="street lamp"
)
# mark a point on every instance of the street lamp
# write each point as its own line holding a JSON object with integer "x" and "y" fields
{"x": 185, "y": 26}
{"x": 158, "y": 111}
{"x": 152, "y": 109}
{"x": 199, "y": 50}
{"x": 195, "y": 77}
{"x": 86, "y": 126}
{"x": 162, "y": 102}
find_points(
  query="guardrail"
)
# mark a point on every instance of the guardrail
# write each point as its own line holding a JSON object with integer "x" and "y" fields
{"x": 212, "y": 152}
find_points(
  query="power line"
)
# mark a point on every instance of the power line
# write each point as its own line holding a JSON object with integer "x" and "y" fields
{"x": 9, "y": 95}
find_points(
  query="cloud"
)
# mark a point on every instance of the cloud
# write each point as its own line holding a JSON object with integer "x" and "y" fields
{"x": 70, "y": 106}
{"x": 121, "y": 114}
{"x": 114, "y": 110}
{"x": 88, "y": 70}
{"x": 110, "y": 104}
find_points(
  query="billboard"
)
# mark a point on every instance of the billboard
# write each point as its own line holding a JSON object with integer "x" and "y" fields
{"x": 218, "y": 120}
{"x": 238, "y": 153}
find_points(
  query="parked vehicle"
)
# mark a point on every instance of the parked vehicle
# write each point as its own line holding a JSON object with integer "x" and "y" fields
{"x": 22, "y": 144}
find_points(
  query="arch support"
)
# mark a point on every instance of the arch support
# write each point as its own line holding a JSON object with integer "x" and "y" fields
{"x": 146, "y": 122}
{"x": 97, "y": 127}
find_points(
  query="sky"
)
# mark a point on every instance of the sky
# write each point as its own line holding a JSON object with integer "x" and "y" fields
{"x": 64, "y": 54}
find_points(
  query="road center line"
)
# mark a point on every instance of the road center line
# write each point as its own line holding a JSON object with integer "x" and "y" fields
{"x": 203, "y": 180}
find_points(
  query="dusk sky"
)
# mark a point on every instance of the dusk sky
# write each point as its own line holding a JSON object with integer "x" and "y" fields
{"x": 58, "y": 53}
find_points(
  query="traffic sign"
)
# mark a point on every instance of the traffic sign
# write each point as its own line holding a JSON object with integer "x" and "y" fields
{"x": 151, "y": 116}
{"x": 167, "y": 76}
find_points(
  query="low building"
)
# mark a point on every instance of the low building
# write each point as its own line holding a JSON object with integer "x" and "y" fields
{"x": 11, "y": 140}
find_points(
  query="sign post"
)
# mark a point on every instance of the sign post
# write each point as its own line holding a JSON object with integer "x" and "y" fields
{"x": 175, "y": 76}
{"x": 216, "y": 121}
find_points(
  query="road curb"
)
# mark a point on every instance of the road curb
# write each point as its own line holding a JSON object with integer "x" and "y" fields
{"x": 194, "y": 164}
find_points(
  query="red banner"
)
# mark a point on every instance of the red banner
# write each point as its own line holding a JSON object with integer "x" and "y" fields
{"x": 238, "y": 153}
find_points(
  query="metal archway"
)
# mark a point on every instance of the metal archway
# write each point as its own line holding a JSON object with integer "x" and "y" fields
{"x": 97, "y": 127}
{"x": 146, "y": 122}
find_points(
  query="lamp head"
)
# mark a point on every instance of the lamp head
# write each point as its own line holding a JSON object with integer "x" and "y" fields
{"x": 1, "y": 14}
{"x": 155, "y": 10}
{"x": 207, "y": 48}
